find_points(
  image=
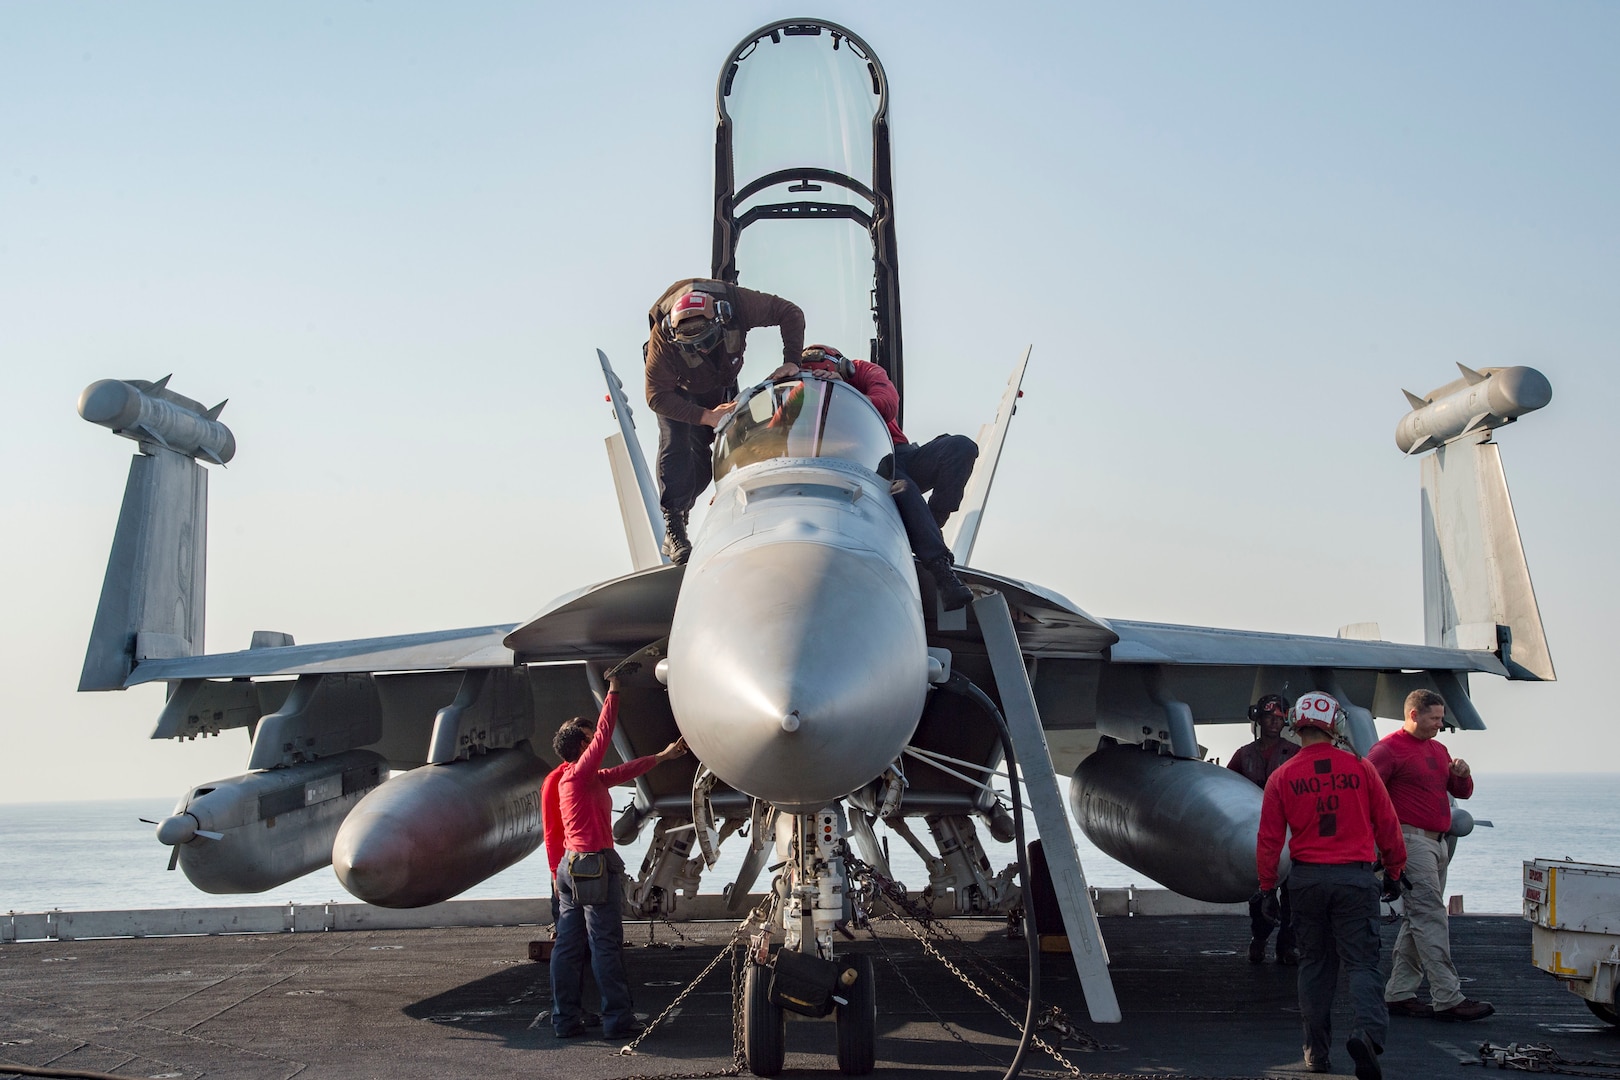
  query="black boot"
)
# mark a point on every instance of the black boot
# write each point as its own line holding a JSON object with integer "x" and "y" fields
{"x": 952, "y": 593}
{"x": 676, "y": 545}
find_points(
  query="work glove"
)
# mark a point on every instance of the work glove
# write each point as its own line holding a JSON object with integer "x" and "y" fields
{"x": 1270, "y": 906}
{"x": 1394, "y": 886}
{"x": 623, "y": 669}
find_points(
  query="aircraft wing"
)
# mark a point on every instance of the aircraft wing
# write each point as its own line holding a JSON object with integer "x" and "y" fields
{"x": 1165, "y": 643}
{"x": 602, "y": 621}
{"x": 1048, "y": 623}
{"x": 474, "y": 647}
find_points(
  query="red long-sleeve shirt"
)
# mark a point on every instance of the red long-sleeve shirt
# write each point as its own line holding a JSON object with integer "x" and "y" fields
{"x": 871, "y": 380}
{"x": 1258, "y": 760}
{"x": 1417, "y": 773}
{"x": 1336, "y": 809}
{"x": 584, "y": 795}
{"x": 551, "y": 818}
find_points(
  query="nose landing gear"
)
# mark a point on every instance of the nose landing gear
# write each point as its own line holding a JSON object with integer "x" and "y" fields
{"x": 803, "y": 977}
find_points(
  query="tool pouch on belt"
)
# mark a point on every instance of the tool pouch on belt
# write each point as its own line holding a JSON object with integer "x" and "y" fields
{"x": 804, "y": 984}
{"x": 595, "y": 875}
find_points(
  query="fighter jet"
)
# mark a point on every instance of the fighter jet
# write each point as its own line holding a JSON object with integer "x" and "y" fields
{"x": 821, "y": 685}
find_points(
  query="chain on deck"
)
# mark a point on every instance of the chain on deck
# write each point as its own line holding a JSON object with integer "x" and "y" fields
{"x": 734, "y": 949}
{"x": 1541, "y": 1057}
{"x": 929, "y": 931}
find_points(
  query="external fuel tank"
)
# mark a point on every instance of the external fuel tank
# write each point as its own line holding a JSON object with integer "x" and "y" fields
{"x": 438, "y": 830}
{"x": 1189, "y": 825}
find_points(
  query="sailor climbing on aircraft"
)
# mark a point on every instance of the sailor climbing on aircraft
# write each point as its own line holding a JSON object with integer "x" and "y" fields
{"x": 942, "y": 466}
{"x": 697, "y": 332}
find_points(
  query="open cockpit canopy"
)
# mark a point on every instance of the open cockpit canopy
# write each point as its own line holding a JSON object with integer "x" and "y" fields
{"x": 803, "y": 418}
{"x": 803, "y": 194}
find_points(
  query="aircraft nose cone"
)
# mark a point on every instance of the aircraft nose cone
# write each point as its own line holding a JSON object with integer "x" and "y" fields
{"x": 801, "y": 680}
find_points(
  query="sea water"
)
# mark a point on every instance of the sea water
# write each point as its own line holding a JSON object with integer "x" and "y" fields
{"x": 95, "y": 856}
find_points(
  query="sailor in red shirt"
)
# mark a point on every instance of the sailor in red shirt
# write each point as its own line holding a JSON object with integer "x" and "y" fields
{"x": 585, "y": 805}
{"x": 1421, "y": 775}
{"x": 1257, "y": 761}
{"x": 551, "y": 822}
{"x": 1340, "y": 821}
{"x": 943, "y": 466}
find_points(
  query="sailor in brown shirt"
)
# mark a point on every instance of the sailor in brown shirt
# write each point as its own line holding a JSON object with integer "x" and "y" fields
{"x": 698, "y": 330}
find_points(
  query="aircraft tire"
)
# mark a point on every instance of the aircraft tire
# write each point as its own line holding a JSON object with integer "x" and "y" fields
{"x": 857, "y": 1021}
{"x": 1606, "y": 1013}
{"x": 764, "y": 1024}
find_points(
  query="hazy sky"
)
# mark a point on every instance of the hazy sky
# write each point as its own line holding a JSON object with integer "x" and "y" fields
{"x": 394, "y": 234}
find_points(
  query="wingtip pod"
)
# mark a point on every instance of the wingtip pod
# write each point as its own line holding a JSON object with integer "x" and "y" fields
{"x": 150, "y": 412}
{"x": 1478, "y": 401}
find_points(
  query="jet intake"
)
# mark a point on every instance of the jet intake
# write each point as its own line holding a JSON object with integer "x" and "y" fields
{"x": 439, "y": 830}
{"x": 1189, "y": 825}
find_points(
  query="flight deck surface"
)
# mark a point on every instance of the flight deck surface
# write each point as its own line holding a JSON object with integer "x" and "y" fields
{"x": 466, "y": 1002}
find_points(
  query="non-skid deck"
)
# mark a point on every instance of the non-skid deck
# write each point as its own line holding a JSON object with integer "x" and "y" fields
{"x": 452, "y": 1003}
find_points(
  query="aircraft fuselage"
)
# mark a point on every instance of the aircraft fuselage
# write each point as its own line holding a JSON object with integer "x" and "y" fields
{"x": 798, "y": 661}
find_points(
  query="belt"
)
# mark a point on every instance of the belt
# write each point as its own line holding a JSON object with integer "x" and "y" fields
{"x": 1430, "y": 833}
{"x": 1352, "y": 865}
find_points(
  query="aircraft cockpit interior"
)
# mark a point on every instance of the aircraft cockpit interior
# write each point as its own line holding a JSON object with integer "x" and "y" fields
{"x": 802, "y": 418}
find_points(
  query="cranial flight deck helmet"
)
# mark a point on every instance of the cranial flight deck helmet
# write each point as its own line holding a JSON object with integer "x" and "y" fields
{"x": 1271, "y": 703}
{"x": 825, "y": 357}
{"x": 1320, "y": 712}
{"x": 1268, "y": 705}
{"x": 697, "y": 321}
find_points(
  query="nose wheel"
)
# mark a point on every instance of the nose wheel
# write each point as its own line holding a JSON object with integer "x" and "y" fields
{"x": 857, "y": 1019}
{"x": 764, "y": 1025}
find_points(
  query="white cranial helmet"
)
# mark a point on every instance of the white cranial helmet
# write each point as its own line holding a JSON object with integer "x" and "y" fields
{"x": 1320, "y": 711}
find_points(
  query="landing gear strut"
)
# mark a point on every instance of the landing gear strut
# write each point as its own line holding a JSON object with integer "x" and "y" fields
{"x": 812, "y": 905}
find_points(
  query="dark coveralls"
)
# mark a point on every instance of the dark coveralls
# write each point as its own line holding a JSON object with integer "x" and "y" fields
{"x": 941, "y": 466}
{"x": 679, "y": 391}
{"x": 1257, "y": 761}
{"x": 1341, "y": 819}
{"x": 592, "y": 933}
